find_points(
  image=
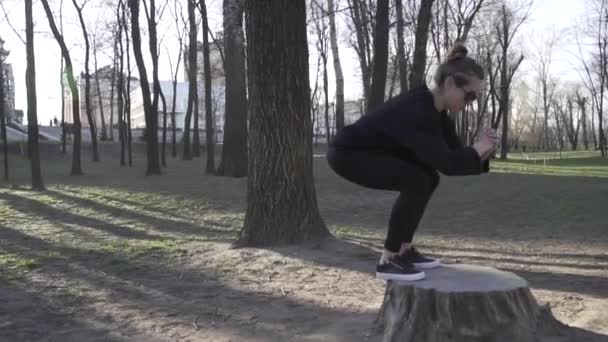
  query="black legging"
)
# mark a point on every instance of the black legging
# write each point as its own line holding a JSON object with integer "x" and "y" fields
{"x": 384, "y": 171}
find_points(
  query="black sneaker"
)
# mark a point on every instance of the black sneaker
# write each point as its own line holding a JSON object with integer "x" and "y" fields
{"x": 412, "y": 256}
{"x": 395, "y": 269}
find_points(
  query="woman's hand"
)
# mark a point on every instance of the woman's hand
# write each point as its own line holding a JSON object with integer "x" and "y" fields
{"x": 486, "y": 145}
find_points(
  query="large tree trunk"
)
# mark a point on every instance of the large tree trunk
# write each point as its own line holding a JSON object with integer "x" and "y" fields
{"x": 234, "y": 151}
{"x": 3, "y": 115}
{"x": 284, "y": 211}
{"x": 76, "y": 165}
{"x": 153, "y": 166}
{"x": 378, "y": 87}
{"x": 210, "y": 145}
{"x": 458, "y": 303}
{"x": 32, "y": 109}
{"x": 333, "y": 38}
{"x": 191, "y": 71}
{"x": 87, "y": 82}
{"x": 417, "y": 75}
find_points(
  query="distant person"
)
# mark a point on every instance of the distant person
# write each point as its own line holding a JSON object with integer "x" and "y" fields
{"x": 402, "y": 144}
{"x": 56, "y": 122}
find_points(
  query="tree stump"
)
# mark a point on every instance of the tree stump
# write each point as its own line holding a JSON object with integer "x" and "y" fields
{"x": 466, "y": 303}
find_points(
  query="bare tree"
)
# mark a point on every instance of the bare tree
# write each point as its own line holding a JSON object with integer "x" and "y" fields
{"x": 150, "y": 108}
{"x": 76, "y": 165}
{"x": 104, "y": 130}
{"x": 234, "y": 152}
{"x": 418, "y": 72}
{"x": 210, "y": 167}
{"x": 333, "y": 38}
{"x": 362, "y": 46}
{"x": 127, "y": 94}
{"x": 401, "y": 53}
{"x": 62, "y": 86}
{"x": 506, "y": 29}
{"x": 378, "y": 85}
{"x": 581, "y": 103}
{"x": 163, "y": 157}
{"x": 3, "y": 113}
{"x": 191, "y": 68}
{"x": 319, "y": 19}
{"x": 180, "y": 39}
{"x": 280, "y": 131}
{"x": 32, "y": 108}
{"x": 87, "y": 78}
{"x": 595, "y": 71}
{"x": 120, "y": 86}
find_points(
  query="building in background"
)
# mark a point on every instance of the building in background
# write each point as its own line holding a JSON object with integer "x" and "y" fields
{"x": 9, "y": 89}
{"x": 138, "y": 117}
{"x": 110, "y": 110}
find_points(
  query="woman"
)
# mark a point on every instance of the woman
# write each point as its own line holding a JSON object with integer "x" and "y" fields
{"x": 403, "y": 144}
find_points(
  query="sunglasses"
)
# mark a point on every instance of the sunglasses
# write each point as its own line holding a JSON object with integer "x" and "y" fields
{"x": 469, "y": 96}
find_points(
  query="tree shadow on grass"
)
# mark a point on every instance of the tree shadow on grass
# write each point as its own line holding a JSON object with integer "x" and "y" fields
{"x": 162, "y": 224}
{"x": 149, "y": 286}
{"x": 28, "y": 316}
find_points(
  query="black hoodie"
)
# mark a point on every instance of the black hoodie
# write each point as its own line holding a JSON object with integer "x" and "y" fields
{"x": 410, "y": 127}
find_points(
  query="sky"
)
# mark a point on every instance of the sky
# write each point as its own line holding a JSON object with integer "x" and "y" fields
{"x": 546, "y": 16}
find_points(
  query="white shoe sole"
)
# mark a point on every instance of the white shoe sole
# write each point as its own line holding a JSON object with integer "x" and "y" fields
{"x": 401, "y": 277}
{"x": 427, "y": 265}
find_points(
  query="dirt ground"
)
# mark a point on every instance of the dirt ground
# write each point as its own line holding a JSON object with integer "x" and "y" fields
{"x": 115, "y": 256}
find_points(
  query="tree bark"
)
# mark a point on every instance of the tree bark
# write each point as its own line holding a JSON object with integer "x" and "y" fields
{"x": 32, "y": 106}
{"x": 77, "y": 128}
{"x": 87, "y": 81}
{"x": 417, "y": 75}
{"x": 333, "y": 38}
{"x": 281, "y": 197}
{"x": 378, "y": 86}
{"x": 210, "y": 144}
{"x": 234, "y": 151}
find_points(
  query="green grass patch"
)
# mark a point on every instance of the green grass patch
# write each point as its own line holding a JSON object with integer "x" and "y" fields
{"x": 578, "y": 166}
{"x": 139, "y": 248}
{"x": 11, "y": 260}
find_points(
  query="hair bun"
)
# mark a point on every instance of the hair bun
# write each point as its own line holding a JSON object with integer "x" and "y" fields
{"x": 457, "y": 51}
